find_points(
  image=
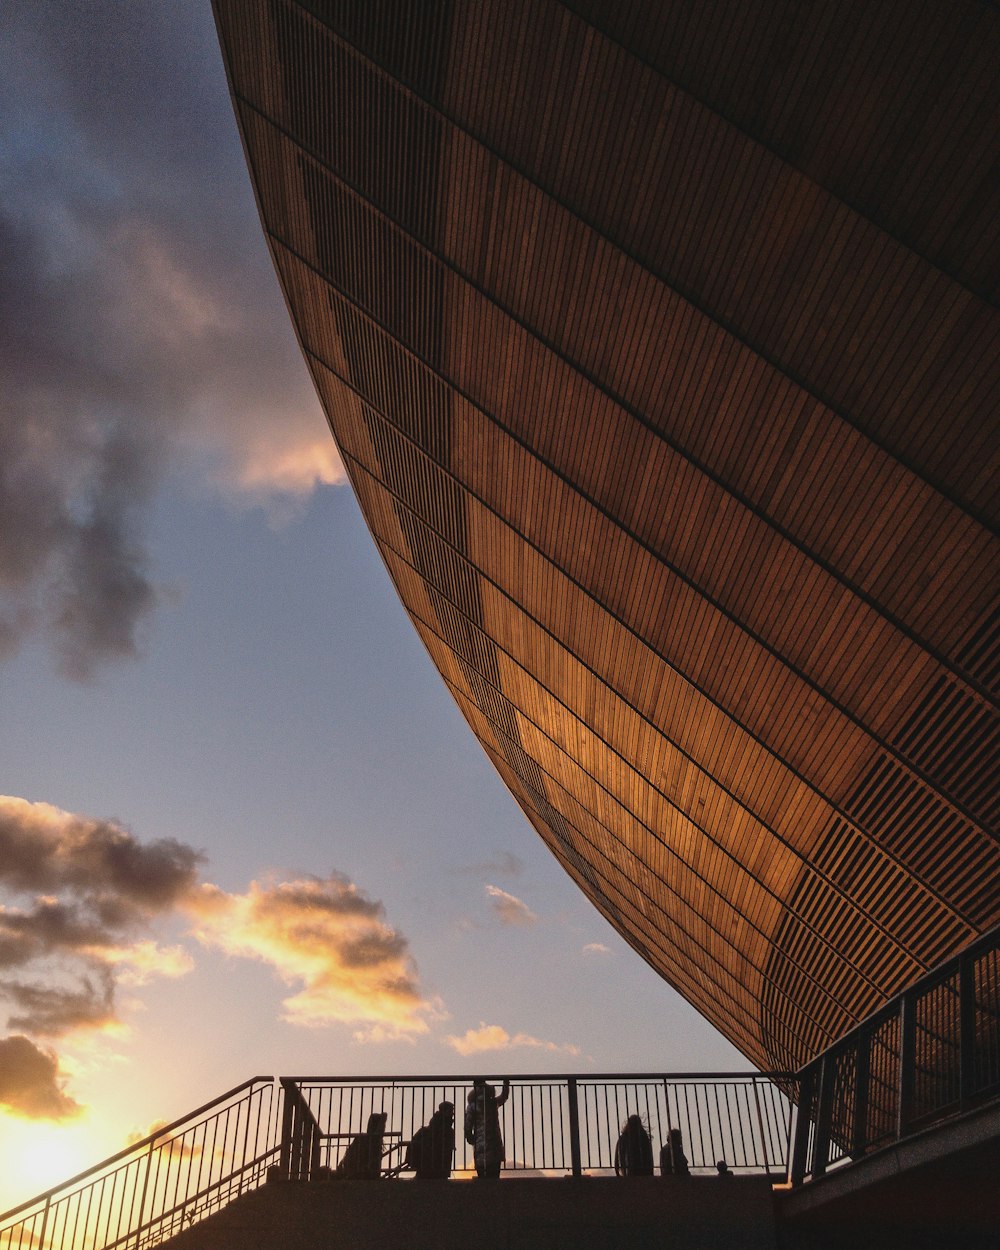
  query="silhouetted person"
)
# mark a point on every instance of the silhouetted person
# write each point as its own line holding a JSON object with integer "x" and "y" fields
{"x": 722, "y": 1167}
{"x": 363, "y": 1157}
{"x": 673, "y": 1161}
{"x": 432, "y": 1147}
{"x": 482, "y": 1128}
{"x": 634, "y": 1151}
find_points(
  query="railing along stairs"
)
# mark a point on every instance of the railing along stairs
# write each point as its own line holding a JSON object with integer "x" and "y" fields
{"x": 300, "y": 1128}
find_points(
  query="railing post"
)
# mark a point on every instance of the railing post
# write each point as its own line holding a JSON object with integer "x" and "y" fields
{"x": 45, "y": 1220}
{"x": 824, "y": 1114}
{"x": 966, "y": 1029}
{"x": 907, "y": 1061}
{"x": 800, "y": 1142}
{"x": 315, "y": 1145}
{"x": 287, "y": 1118}
{"x": 574, "y": 1126}
{"x": 862, "y": 1079}
{"x": 760, "y": 1125}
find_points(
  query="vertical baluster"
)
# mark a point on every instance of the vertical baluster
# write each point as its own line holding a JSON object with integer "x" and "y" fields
{"x": 966, "y": 1029}
{"x": 907, "y": 1061}
{"x": 862, "y": 1081}
{"x": 574, "y": 1127}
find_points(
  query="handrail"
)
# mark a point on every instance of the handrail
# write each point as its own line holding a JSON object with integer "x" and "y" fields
{"x": 931, "y": 1052}
{"x": 149, "y": 1190}
{"x": 301, "y": 1128}
{"x": 189, "y": 1199}
{"x": 467, "y": 1078}
{"x": 552, "y": 1124}
{"x": 136, "y": 1147}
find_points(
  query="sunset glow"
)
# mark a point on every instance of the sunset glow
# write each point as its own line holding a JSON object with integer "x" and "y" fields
{"x": 245, "y": 828}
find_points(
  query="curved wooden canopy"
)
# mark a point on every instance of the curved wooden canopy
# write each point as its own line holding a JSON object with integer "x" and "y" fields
{"x": 660, "y": 344}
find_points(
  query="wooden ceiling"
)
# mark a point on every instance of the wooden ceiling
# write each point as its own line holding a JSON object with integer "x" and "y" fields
{"x": 661, "y": 346}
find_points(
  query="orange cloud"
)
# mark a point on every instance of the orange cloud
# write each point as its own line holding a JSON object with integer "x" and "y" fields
{"x": 175, "y": 1148}
{"x": 493, "y": 1037}
{"x": 142, "y": 961}
{"x": 325, "y": 934}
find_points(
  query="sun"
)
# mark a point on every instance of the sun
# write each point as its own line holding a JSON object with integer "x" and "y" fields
{"x": 36, "y": 1156}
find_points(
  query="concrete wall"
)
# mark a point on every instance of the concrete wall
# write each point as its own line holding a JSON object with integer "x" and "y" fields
{"x": 512, "y": 1214}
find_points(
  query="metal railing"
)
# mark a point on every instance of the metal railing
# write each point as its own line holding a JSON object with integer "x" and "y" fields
{"x": 930, "y": 1053}
{"x": 160, "y": 1185}
{"x": 300, "y": 1128}
{"x": 550, "y": 1124}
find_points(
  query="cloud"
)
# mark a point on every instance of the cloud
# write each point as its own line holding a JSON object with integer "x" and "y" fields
{"x": 46, "y": 849}
{"x": 30, "y": 1084}
{"x": 174, "y": 1147}
{"x": 92, "y": 892}
{"x": 510, "y": 909}
{"x": 141, "y": 326}
{"x": 88, "y": 893}
{"x": 505, "y": 864}
{"x": 596, "y": 948}
{"x": 53, "y": 1011}
{"x": 329, "y": 936}
{"x": 144, "y": 960}
{"x": 492, "y": 1037}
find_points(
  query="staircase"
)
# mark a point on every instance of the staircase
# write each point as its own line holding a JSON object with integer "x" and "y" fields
{"x": 598, "y": 1213}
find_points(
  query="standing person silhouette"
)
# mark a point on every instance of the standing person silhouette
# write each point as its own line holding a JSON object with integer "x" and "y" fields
{"x": 482, "y": 1127}
{"x": 634, "y": 1151}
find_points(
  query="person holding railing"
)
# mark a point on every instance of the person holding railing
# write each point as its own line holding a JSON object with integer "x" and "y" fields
{"x": 634, "y": 1151}
{"x": 482, "y": 1127}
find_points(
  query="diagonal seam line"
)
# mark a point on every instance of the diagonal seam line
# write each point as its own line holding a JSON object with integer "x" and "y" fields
{"x": 660, "y": 938}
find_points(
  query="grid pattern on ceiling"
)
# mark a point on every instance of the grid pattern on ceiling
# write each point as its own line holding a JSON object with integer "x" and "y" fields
{"x": 638, "y": 367}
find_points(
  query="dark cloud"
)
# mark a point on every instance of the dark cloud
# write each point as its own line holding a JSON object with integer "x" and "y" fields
{"x": 29, "y": 1082}
{"x": 93, "y": 889}
{"x": 53, "y": 1011}
{"x": 140, "y": 324}
{"x": 47, "y": 928}
{"x": 105, "y": 593}
{"x": 47, "y": 850}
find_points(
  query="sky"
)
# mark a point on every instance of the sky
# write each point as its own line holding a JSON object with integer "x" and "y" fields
{"x": 244, "y": 828}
